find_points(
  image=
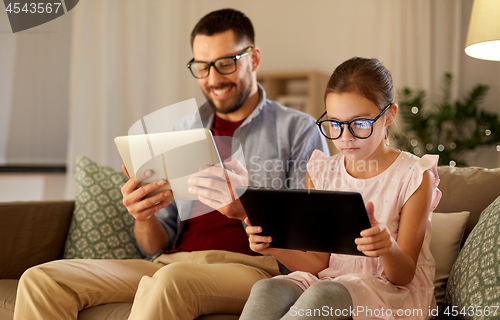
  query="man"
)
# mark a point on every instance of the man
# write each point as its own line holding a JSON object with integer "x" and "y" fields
{"x": 205, "y": 264}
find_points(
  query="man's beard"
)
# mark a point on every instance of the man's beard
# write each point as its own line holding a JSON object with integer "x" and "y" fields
{"x": 240, "y": 97}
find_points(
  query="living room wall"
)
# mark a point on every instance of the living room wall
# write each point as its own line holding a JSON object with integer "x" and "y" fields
{"x": 70, "y": 86}
{"x": 34, "y": 92}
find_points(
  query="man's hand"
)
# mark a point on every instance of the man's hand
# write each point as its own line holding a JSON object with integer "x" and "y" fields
{"x": 133, "y": 197}
{"x": 218, "y": 190}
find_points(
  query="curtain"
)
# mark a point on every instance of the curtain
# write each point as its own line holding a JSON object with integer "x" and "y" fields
{"x": 126, "y": 62}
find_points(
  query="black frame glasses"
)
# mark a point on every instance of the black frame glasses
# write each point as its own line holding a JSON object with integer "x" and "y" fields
{"x": 341, "y": 124}
{"x": 192, "y": 64}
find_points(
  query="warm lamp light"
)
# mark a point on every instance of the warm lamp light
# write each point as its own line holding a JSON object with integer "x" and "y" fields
{"x": 483, "y": 38}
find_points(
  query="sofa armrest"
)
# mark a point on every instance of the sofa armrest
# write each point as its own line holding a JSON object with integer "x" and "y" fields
{"x": 32, "y": 233}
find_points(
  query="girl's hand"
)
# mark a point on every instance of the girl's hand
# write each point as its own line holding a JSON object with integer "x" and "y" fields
{"x": 257, "y": 242}
{"x": 375, "y": 241}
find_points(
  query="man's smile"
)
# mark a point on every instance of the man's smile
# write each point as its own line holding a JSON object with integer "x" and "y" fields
{"x": 222, "y": 93}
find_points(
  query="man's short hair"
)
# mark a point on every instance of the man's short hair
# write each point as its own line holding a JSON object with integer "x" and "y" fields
{"x": 223, "y": 20}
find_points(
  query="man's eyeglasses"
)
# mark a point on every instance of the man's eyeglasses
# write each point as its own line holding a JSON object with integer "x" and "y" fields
{"x": 224, "y": 65}
{"x": 360, "y": 128}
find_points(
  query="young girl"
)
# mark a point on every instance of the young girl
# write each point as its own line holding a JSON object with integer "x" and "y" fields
{"x": 395, "y": 278}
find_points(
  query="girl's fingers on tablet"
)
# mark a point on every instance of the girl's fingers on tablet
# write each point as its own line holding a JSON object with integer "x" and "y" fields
{"x": 375, "y": 245}
{"x": 260, "y": 239}
{"x": 376, "y": 229}
{"x": 375, "y": 252}
{"x": 369, "y": 239}
{"x": 370, "y": 210}
{"x": 259, "y": 247}
{"x": 253, "y": 229}
{"x": 364, "y": 240}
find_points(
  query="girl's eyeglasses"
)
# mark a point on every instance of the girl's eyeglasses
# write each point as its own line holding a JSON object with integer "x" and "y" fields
{"x": 360, "y": 128}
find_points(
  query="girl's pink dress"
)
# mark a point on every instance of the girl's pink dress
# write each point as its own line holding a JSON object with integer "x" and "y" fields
{"x": 373, "y": 296}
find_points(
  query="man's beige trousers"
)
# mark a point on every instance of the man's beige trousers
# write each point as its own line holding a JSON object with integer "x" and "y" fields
{"x": 181, "y": 285}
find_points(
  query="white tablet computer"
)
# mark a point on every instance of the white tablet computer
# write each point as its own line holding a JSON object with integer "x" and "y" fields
{"x": 174, "y": 156}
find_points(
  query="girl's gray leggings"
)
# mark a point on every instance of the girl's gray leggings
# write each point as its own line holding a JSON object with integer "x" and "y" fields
{"x": 273, "y": 299}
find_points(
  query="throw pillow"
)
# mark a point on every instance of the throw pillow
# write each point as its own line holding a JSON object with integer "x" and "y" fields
{"x": 447, "y": 230}
{"x": 474, "y": 288}
{"x": 101, "y": 227}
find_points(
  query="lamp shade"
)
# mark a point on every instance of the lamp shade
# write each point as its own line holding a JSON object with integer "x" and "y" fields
{"x": 483, "y": 38}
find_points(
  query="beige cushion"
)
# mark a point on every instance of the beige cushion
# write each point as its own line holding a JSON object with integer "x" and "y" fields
{"x": 446, "y": 236}
{"x": 471, "y": 189}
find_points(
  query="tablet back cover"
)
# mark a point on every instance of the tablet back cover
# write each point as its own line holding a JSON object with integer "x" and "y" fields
{"x": 312, "y": 220}
{"x": 180, "y": 153}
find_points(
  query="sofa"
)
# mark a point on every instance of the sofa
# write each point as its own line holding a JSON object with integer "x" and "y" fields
{"x": 36, "y": 232}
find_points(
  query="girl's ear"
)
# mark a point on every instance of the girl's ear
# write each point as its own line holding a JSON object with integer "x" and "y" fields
{"x": 256, "y": 55}
{"x": 391, "y": 114}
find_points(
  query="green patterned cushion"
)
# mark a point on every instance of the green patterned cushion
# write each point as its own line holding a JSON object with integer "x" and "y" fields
{"x": 101, "y": 227}
{"x": 474, "y": 287}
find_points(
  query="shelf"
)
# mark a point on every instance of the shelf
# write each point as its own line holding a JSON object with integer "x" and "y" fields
{"x": 296, "y": 88}
{"x": 302, "y": 90}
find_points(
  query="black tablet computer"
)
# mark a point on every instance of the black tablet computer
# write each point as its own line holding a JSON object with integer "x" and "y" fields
{"x": 311, "y": 220}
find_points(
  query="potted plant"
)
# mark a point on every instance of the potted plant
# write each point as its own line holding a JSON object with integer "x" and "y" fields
{"x": 448, "y": 128}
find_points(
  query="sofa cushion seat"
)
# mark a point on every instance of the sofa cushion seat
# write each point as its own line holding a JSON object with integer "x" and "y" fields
{"x": 110, "y": 311}
{"x": 8, "y": 289}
